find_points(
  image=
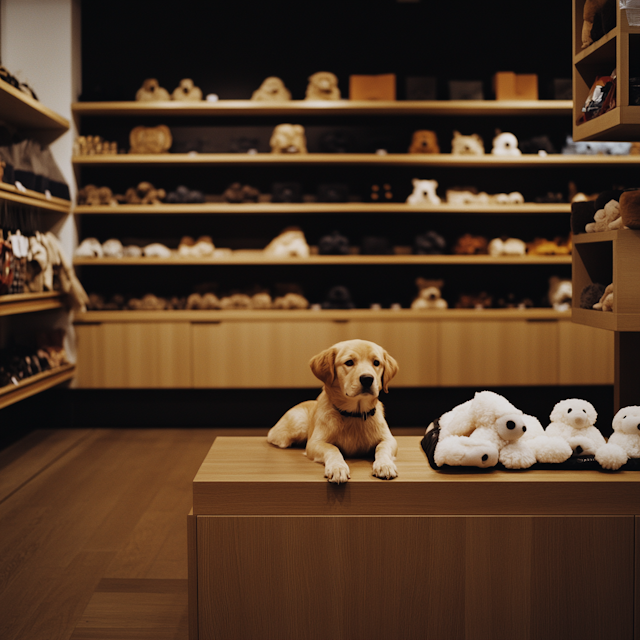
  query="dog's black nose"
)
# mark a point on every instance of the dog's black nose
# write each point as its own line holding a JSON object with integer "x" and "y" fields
{"x": 366, "y": 381}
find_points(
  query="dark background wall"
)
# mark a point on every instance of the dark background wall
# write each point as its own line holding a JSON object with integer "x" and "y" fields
{"x": 229, "y": 47}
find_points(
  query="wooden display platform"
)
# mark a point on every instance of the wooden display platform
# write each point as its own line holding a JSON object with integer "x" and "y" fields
{"x": 275, "y": 551}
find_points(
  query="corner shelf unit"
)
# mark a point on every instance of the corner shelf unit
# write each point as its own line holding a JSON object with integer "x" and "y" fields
{"x": 604, "y": 258}
{"x": 618, "y": 49}
{"x": 36, "y": 121}
{"x": 121, "y": 339}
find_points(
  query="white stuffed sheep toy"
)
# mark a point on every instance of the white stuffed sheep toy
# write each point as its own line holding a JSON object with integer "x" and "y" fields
{"x": 624, "y": 443}
{"x": 488, "y": 429}
{"x": 574, "y": 420}
{"x": 424, "y": 192}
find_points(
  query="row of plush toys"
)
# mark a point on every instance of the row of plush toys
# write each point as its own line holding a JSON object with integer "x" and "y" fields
{"x": 322, "y": 85}
{"x": 488, "y": 430}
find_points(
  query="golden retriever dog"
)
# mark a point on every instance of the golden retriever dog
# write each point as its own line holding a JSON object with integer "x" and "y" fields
{"x": 347, "y": 419}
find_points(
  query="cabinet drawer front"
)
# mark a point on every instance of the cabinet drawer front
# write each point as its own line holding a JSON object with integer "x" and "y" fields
{"x": 132, "y": 355}
{"x": 260, "y": 354}
{"x": 586, "y": 354}
{"x": 494, "y": 353}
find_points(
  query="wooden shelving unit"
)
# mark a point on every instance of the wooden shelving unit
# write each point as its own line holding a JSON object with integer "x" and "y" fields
{"x": 35, "y": 384}
{"x": 30, "y": 116}
{"x": 612, "y": 51}
{"x": 17, "y": 303}
{"x": 40, "y": 123}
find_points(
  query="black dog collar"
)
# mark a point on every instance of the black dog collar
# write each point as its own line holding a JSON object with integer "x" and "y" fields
{"x": 349, "y": 414}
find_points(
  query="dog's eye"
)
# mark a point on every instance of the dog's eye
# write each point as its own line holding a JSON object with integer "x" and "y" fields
{"x": 349, "y": 363}
{"x": 376, "y": 363}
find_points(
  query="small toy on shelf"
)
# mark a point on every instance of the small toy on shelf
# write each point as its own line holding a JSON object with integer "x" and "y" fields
{"x": 606, "y": 300}
{"x": 424, "y": 141}
{"x": 560, "y": 293}
{"x": 469, "y": 245}
{"x": 624, "y": 442}
{"x": 237, "y": 193}
{"x": 286, "y": 192}
{"x": 207, "y": 300}
{"x": 236, "y": 301}
{"x": 152, "y": 91}
{"x": 600, "y": 13}
{"x": 333, "y": 244}
{"x": 94, "y": 146}
{"x": 606, "y": 219}
{"x": 113, "y": 248}
{"x": 590, "y": 148}
{"x": 481, "y": 300}
{"x": 574, "y": 421}
{"x": 338, "y": 297}
{"x": 333, "y": 192}
{"x": 543, "y": 247}
{"x": 323, "y": 85}
{"x": 144, "y": 193}
{"x": 429, "y": 295}
{"x": 203, "y": 247}
{"x": 429, "y": 243}
{"x": 467, "y": 145}
{"x": 184, "y": 195}
{"x": 96, "y": 196}
{"x": 89, "y": 248}
{"x": 424, "y": 192}
{"x": 591, "y": 295}
{"x": 291, "y": 243}
{"x": 288, "y": 138}
{"x": 150, "y": 139}
{"x": 630, "y": 209}
{"x": 187, "y": 91}
{"x": 291, "y": 300}
{"x": 507, "y": 247}
{"x": 272, "y": 89}
{"x": 156, "y": 250}
{"x": 505, "y": 144}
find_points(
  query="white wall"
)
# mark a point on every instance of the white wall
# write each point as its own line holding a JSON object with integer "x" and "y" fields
{"x": 40, "y": 45}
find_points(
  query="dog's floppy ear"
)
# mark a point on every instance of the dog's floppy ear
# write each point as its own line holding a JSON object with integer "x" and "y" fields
{"x": 323, "y": 365}
{"x": 390, "y": 370}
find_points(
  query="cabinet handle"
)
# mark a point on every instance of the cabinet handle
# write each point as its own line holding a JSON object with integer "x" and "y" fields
{"x": 341, "y": 321}
{"x": 542, "y": 319}
{"x": 206, "y": 321}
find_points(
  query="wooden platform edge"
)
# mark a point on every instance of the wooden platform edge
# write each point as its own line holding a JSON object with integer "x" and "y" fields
{"x": 192, "y": 562}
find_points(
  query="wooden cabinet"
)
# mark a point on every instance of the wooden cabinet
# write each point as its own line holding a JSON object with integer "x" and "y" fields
{"x": 34, "y": 120}
{"x": 273, "y": 547}
{"x": 249, "y": 349}
{"x": 618, "y": 50}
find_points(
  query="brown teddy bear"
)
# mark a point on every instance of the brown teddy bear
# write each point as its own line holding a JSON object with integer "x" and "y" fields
{"x": 150, "y": 139}
{"x": 272, "y": 89}
{"x": 288, "y": 138}
{"x": 429, "y": 295}
{"x": 630, "y": 209}
{"x": 323, "y": 85}
{"x": 151, "y": 91}
{"x": 424, "y": 141}
{"x": 470, "y": 245}
{"x": 186, "y": 91}
{"x": 144, "y": 193}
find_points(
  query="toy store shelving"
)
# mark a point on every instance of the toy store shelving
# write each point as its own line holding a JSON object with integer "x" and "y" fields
{"x": 223, "y": 348}
{"x": 619, "y": 49}
{"x": 613, "y": 257}
{"x": 39, "y": 122}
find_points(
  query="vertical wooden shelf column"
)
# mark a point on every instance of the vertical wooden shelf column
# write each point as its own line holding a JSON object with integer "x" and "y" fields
{"x": 613, "y": 257}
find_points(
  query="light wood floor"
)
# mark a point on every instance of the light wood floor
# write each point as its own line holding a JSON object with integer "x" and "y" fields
{"x": 93, "y": 532}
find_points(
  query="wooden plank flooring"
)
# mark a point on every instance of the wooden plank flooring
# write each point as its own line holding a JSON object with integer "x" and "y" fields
{"x": 93, "y": 533}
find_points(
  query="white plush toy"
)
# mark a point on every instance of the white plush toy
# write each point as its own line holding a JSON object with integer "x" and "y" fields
{"x": 507, "y": 247}
{"x": 607, "y": 219}
{"x": 424, "y": 192}
{"x": 89, "y": 248}
{"x": 624, "y": 443}
{"x": 574, "y": 420}
{"x": 291, "y": 243}
{"x": 505, "y": 144}
{"x": 467, "y": 145}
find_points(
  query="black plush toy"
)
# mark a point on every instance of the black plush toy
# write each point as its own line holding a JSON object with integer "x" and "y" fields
{"x": 333, "y": 244}
{"x": 184, "y": 195}
{"x": 591, "y": 294}
{"x": 429, "y": 243}
{"x": 338, "y": 297}
{"x": 286, "y": 192}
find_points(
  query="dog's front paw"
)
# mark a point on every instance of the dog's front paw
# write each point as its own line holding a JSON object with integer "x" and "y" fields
{"x": 385, "y": 470}
{"x": 337, "y": 472}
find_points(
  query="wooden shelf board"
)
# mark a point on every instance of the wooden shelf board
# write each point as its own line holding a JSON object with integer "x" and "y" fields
{"x": 308, "y": 315}
{"x": 606, "y": 320}
{"x": 600, "y": 236}
{"x": 315, "y": 108}
{"x": 599, "y": 51}
{"x": 621, "y": 123}
{"x": 17, "y": 303}
{"x": 35, "y": 384}
{"x": 269, "y": 208}
{"x": 406, "y": 159}
{"x": 33, "y": 198}
{"x": 28, "y": 114}
{"x": 257, "y": 258}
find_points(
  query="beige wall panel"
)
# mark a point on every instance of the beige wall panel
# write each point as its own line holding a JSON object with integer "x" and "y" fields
{"x": 260, "y": 354}
{"x": 490, "y": 353}
{"x": 134, "y": 355}
{"x": 414, "y": 344}
{"x": 586, "y": 354}
{"x": 411, "y": 577}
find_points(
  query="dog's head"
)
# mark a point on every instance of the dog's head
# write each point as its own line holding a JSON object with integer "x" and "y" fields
{"x": 356, "y": 369}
